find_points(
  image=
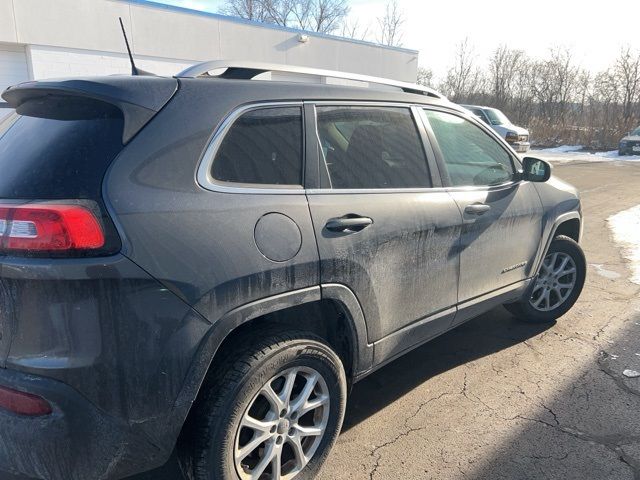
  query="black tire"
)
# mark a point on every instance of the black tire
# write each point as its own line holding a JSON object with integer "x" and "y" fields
{"x": 523, "y": 309}
{"x": 209, "y": 438}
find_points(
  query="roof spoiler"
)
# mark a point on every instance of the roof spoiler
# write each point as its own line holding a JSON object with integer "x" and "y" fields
{"x": 138, "y": 98}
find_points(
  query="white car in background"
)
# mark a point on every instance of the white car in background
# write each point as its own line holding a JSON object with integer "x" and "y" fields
{"x": 515, "y": 136}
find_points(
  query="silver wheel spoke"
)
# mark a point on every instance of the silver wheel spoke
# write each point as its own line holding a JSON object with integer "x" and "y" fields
{"x": 546, "y": 299}
{"x": 539, "y": 300}
{"x": 309, "y": 431}
{"x": 306, "y": 392}
{"x": 275, "y": 401}
{"x": 251, "y": 446}
{"x": 259, "y": 425}
{"x": 288, "y": 387}
{"x": 563, "y": 264}
{"x": 276, "y": 464}
{"x": 264, "y": 462}
{"x": 312, "y": 405}
{"x": 296, "y": 445}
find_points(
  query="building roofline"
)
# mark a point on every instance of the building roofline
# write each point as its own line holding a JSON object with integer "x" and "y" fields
{"x": 218, "y": 16}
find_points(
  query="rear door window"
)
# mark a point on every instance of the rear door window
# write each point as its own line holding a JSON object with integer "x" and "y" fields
{"x": 263, "y": 147}
{"x": 372, "y": 147}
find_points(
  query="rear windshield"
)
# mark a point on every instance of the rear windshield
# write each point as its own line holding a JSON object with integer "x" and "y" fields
{"x": 58, "y": 148}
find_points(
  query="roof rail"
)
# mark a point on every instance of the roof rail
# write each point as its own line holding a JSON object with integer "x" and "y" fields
{"x": 246, "y": 70}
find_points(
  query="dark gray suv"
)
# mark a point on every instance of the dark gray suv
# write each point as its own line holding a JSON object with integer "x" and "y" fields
{"x": 205, "y": 264}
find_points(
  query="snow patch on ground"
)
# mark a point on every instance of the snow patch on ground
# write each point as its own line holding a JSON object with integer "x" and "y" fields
{"x": 563, "y": 149}
{"x": 625, "y": 226}
{"x": 570, "y": 153}
{"x": 603, "y": 272}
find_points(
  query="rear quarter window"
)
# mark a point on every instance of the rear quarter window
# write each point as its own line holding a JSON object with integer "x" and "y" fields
{"x": 262, "y": 147}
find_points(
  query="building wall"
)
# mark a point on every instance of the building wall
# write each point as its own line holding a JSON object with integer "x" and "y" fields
{"x": 13, "y": 65}
{"x": 53, "y": 62}
{"x": 81, "y": 37}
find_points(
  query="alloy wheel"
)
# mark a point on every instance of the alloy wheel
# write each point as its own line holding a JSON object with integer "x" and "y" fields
{"x": 555, "y": 282}
{"x": 283, "y": 426}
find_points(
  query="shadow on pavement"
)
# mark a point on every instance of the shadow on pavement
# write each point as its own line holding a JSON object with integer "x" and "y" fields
{"x": 482, "y": 336}
{"x": 591, "y": 429}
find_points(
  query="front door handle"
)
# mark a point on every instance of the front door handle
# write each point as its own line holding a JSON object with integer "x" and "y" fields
{"x": 348, "y": 223}
{"x": 477, "y": 209}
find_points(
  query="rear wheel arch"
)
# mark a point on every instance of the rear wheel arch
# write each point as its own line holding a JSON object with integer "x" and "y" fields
{"x": 332, "y": 313}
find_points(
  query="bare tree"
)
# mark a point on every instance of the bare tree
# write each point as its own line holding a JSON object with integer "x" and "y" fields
{"x": 503, "y": 66}
{"x": 353, "y": 29}
{"x": 249, "y": 9}
{"x": 390, "y": 25}
{"x": 327, "y": 15}
{"x": 554, "y": 83}
{"x": 522, "y": 102}
{"x": 280, "y": 12}
{"x": 627, "y": 73}
{"x": 315, "y": 15}
{"x": 464, "y": 78}
{"x": 425, "y": 77}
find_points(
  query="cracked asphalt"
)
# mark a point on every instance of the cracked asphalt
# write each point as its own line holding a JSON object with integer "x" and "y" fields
{"x": 500, "y": 399}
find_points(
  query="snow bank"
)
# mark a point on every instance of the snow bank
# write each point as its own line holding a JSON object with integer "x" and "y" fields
{"x": 614, "y": 154}
{"x": 626, "y": 232}
{"x": 562, "y": 149}
{"x": 570, "y": 153}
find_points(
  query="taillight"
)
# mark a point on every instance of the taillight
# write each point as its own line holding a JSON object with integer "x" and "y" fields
{"x": 23, "y": 403}
{"x": 49, "y": 227}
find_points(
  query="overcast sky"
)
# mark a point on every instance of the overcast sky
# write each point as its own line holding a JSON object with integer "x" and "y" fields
{"x": 594, "y": 31}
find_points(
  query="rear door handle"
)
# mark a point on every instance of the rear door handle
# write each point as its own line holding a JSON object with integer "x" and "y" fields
{"x": 477, "y": 209}
{"x": 348, "y": 223}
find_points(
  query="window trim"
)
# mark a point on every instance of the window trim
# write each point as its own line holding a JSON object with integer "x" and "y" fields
{"x": 432, "y": 166}
{"x": 446, "y": 182}
{"x": 203, "y": 173}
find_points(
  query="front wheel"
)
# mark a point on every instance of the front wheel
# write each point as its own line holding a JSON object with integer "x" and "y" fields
{"x": 273, "y": 413}
{"x": 557, "y": 286}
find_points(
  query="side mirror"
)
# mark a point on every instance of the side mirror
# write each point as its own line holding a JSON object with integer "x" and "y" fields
{"x": 535, "y": 170}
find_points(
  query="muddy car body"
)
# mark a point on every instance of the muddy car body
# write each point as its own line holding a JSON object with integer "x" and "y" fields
{"x": 164, "y": 239}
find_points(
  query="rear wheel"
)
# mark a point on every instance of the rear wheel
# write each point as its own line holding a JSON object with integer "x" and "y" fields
{"x": 272, "y": 414}
{"x": 557, "y": 286}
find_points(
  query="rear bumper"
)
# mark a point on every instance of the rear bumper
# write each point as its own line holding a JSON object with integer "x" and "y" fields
{"x": 110, "y": 349}
{"x": 77, "y": 441}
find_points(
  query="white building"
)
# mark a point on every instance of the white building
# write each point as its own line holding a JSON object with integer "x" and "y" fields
{"x": 62, "y": 38}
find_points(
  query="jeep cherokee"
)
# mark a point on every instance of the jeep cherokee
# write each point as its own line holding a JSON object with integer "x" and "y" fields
{"x": 204, "y": 264}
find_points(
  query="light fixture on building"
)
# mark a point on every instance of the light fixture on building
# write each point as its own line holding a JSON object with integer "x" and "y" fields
{"x": 302, "y": 38}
